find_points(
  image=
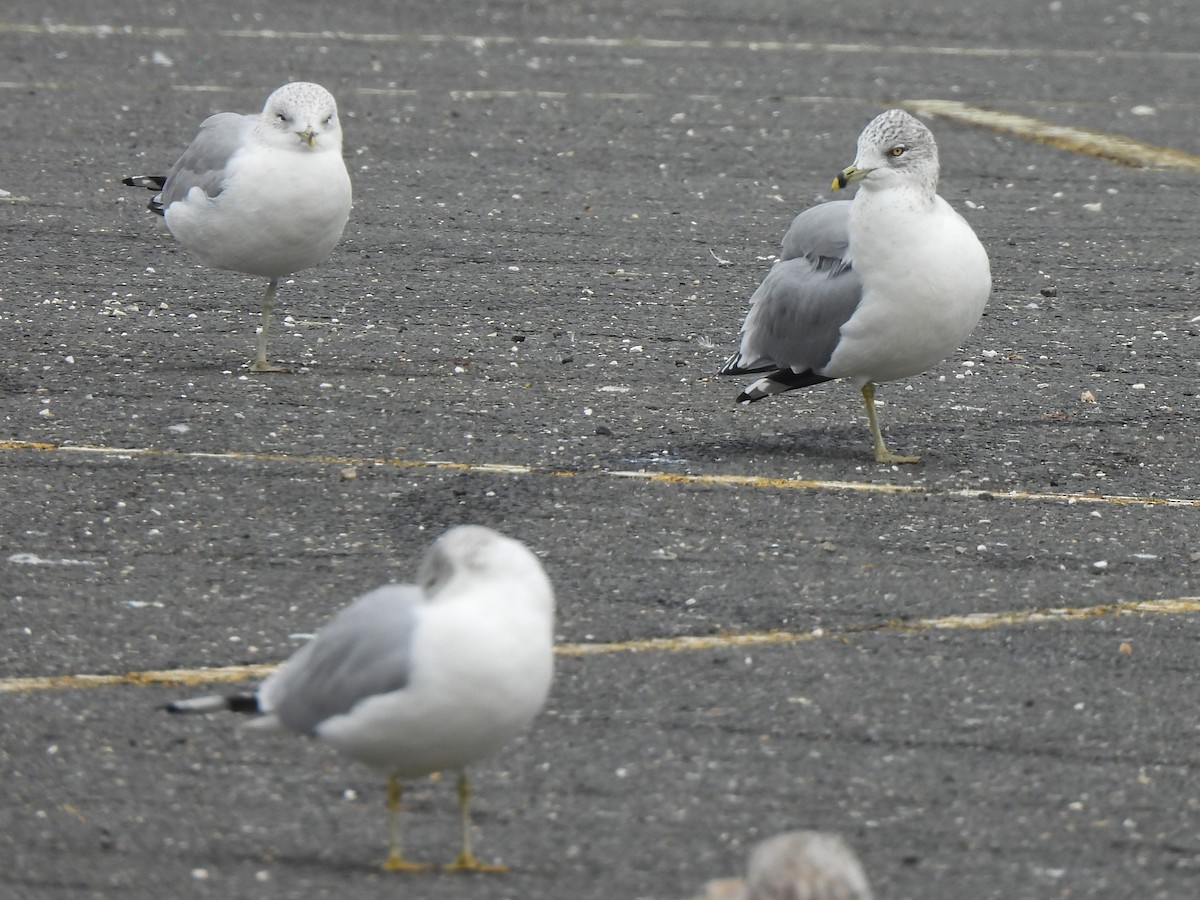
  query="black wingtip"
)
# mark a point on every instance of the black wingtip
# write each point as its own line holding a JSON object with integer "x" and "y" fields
{"x": 239, "y": 703}
{"x": 733, "y": 366}
{"x": 243, "y": 703}
{"x": 149, "y": 182}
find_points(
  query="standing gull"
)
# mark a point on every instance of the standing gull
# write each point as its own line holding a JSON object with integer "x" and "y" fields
{"x": 413, "y": 679}
{"x": 263, "y": 194}
{"x": 871, "y": 289}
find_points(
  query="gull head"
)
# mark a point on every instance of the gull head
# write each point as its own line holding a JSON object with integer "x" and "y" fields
{"x": 304, "y": 116}
{"x": 472, "y": 557}
{"x": 893, "y": 149}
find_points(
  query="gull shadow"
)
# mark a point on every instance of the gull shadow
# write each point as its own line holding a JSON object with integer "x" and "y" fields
{"x": 831, "y": 445}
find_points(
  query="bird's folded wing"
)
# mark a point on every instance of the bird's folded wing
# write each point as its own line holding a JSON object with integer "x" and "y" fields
{"x": 204, "y": 163}
{"x": 363, "y": 651}
{"x": 796, "y": 317}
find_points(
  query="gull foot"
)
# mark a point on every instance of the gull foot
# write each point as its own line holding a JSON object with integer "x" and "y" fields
{"x": 887, "y": 456}
{"x": 469, "y": 863}
{"x": 264, "y": 366}
{"x": 397, "y": 863}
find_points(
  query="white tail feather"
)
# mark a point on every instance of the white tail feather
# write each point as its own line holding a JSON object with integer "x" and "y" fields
{"x": 209, "y": 703}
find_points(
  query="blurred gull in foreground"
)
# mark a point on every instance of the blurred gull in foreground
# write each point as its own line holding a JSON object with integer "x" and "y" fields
{"x": 798, "y": 865}
{"x": 264, "y": 194}
{"x": 413, "y": 679}
{"x": 872, "y": 289}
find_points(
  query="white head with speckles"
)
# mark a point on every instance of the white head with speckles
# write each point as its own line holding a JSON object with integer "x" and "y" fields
{"x": 302, "y": 116}
{"x": 893, "y": 149}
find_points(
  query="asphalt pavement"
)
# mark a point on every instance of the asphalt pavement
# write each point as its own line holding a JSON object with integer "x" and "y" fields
{"x": 980, "y": 670}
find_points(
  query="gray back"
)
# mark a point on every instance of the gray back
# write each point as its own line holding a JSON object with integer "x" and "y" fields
{"x": 203, "y": 163}
{"x": 363, "y": 651}
{"x": 821, "y": 232}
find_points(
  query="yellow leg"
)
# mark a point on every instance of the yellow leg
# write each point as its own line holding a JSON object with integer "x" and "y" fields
{"x": 882, "y": 453}
{"x": 395, "y": 861}
{"x": 466, "y": 861}
{"x": 260, "y": 363}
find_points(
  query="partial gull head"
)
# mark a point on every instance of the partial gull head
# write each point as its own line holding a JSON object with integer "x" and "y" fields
{"x": 412, "y": 679}
{"x": 797, "y": 865}
{"x": 264, "y": 194}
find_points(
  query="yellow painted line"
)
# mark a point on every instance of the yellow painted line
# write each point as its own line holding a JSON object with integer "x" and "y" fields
{"x": 678, "y": 478}
{"x": 44, "y": 29}
{"x": 968, "y": 622}
{"x": 683, "y": 644}
{"x": 178, "y": 677}
{"x": 1114, "y": 147}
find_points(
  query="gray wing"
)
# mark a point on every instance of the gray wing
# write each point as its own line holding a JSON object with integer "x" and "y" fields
{"x": 364, "y": 650}
{"x": 797, "y": 313}
{"x": 821, "y": 232}
{"x": 203, "y": 163}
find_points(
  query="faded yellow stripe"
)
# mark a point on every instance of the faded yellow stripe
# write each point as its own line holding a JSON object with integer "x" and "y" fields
{"x": 970, "y": 621}
{"x": 145, "y": 677}
{"x": 681, "y": 644}
{"x": 1114, "y": 147}
{"x": 715, "y": 480}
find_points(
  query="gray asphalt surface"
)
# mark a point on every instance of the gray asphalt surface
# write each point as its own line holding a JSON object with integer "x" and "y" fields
{"x": 528, "y": 279}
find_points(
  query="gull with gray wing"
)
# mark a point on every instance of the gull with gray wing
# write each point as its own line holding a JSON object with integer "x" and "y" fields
{"x": 877, "y": 288}
{"x": 264, "y": 194}
{"x": 412, "y": 679}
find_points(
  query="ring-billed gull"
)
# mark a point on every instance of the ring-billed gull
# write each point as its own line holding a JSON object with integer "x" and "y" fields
{"x": 797, "y": 865}
{"x": 871, "y": 289}
{"x": 417, "y": 678}
{"x": 264, "y": 194}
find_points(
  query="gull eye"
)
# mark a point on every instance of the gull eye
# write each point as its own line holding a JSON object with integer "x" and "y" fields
{"x": 328, "y": 120}
{"x": 898, "y": 150}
